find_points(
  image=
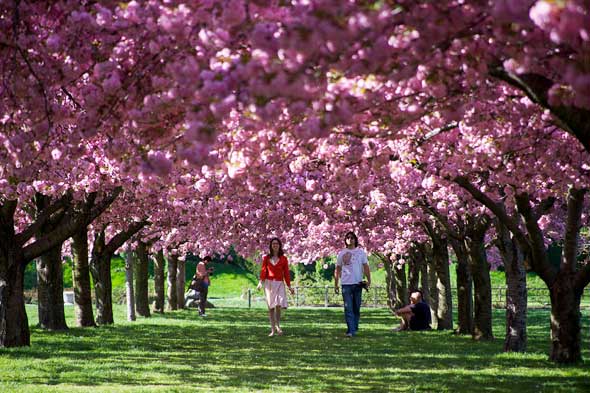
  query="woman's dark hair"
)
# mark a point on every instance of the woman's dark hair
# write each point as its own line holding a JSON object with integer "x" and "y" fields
{"x": 281, "y": 253}
{"x": 353, "y": 235}
{"x": 207, "y": 258}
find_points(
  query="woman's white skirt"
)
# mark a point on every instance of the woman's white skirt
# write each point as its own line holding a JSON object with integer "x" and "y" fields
{"x": 275, "y": 293}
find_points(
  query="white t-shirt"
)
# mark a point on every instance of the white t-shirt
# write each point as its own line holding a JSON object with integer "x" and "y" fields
{"x": 351, "y": 261}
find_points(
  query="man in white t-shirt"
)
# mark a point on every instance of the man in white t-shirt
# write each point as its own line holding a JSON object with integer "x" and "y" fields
{"x": 351, "y": 264}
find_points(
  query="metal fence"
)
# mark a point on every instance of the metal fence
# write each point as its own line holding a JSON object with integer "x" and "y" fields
{"x": 324, "y": 296}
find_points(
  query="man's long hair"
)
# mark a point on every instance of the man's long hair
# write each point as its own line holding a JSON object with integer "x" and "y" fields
{"x": 356, "y": 239}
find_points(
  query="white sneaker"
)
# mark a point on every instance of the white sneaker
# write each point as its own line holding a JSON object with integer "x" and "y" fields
{"x": 202, "y": 315}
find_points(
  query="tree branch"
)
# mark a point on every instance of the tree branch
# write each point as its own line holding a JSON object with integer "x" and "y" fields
{"x": 575, "y": 204}
{"x": 539, "y": 258}
{"x": 120, "y": 238}
{"x": 43, "y": 217}
{"x": 495, "y": 207}
{"x": 572, "y": 119}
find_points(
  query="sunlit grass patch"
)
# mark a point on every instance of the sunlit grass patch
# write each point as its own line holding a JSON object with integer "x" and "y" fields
{"x": 230, "y": 351}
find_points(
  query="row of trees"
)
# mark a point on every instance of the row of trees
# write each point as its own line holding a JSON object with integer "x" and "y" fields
{"x": 194, "y": 127}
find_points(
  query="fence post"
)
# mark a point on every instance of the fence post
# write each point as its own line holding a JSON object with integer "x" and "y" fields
{"x": 326, "y": 296}
{"x": 249, "y": 298}
{"x": 296, "y": 296}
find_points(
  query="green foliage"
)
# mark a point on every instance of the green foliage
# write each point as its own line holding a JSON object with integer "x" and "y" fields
{"x": 31, "y": 276}
{"x": 67, "y": 267}
{"x": 230, "y": 352}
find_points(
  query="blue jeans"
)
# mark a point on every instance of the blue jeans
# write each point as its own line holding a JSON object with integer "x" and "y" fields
{"x": 352, "y": 295}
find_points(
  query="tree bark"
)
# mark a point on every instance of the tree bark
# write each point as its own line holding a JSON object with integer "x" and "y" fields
{"x": 482, "y": 288}
{"x": 414, "y": 264}
{"x": 172, "y": 291}
{"x": 433, "y": 298}
{"x": 50, "y": 279}
{"x": 129, "y": 294}
{"x": 159, "y": 281}
{"x": 50, "y": 290}
{"x": 566, "y": 285}
{"x": 440, "y": 253}
{"x": 81, "y": 279}
{"x": 516, "y": 291}
{"x": 565, "y": 320}
{"x": 180, "y": 283}
{"x": 16, "y": 250}
{"x": 401, "y": 286}
{"x": 14, "y": 325}
{"x": 464, "y": 289}
{"x": 100, "y": 268}
{"x": 424, "y": 285}
{"x": 141, "y": 281}
{"x": 392, "y": 302}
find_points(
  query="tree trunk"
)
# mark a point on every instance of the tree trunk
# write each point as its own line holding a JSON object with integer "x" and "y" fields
{"x": 424, "y": 285}
{"x": 159, "y": 281}
{"x": 50, "y": 288}
{"x": 15, "y": 250}
{"x": 565, "y": 320}
{"x": 14, "y": 324}
{"x": 172, "y": 291}
{"x": 390, "y": 283}
{"x": 516, "y": 291}
{"x": 141, "y": 281}
{"x": 480, "y": 269}
{"x": 444, "y": 311}
{"x": 414, "y": 264}
{"x": 464, "y": 289}
{"x": 180, "y": 283}
{"x": 433, "y": 292}
{"x": 129, "y": 294}
{"x": 401, "y": 286}
{"x": 100, "y": 267}
{"x": 81, "y": 280}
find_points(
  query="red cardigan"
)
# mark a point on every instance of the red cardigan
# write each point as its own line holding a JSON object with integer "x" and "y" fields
{"x": 278, "y": 272}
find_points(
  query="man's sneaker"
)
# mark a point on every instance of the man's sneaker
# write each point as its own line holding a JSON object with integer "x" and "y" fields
{"x": 203, "y": 315}
{"x": 348, "y": 335}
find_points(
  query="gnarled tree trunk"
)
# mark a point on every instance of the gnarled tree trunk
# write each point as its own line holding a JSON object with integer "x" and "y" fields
{"x": 16, "y": 250}
{"x": 565, "y": 319}
{"x": 129, "y": 293}
{"x": 440, "y": 254}
{"x": 172, "y": 291}
{"x": 464, "y": 289}
{"x": 180, "y": 283}
{"x": 480, "y": 269}
{"x": 50, "y": 281}
{"x": 415, "y": 261}
{"x": 81, "y": 280}
{"x": 401, "y": 286}
{"x": 14, "y": 325}
{"x": 50, "y": 290}
{"x": 100, "y": 267}
{"x": 159, "y": 281}
{"x": 141, "y": 281}
{"x": 392, "y": 302}
{"x": 516, "y": 291}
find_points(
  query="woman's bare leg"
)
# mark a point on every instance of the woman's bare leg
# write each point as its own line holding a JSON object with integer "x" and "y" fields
{"x": 271, "y": 317}
{"x": 278, "y": 320}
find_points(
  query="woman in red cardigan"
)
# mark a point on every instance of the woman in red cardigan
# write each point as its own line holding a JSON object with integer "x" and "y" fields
{"x": 274, "y": 274}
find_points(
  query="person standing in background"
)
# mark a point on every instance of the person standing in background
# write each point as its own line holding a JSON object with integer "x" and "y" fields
{"x": 351, "y": 264}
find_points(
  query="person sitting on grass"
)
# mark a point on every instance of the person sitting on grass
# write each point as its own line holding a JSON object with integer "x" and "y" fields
{"x": 416, "y": 315}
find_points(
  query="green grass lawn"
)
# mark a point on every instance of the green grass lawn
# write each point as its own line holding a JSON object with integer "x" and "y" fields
{"x": 229, "y": 351}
